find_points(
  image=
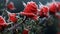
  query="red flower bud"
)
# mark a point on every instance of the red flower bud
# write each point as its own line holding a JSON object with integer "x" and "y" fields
{"x": 10, "y": 6}
{"x": 2, "y": 22}
{"x": 30, "y": 10}
{"x": 43, "y": 12}
{"x": 53, "y": 8}
{"x": 12, "y": 17}
{"x": 25, "y": 31}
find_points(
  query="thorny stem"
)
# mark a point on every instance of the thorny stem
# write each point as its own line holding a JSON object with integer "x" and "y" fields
{"x": 16, "y": 25}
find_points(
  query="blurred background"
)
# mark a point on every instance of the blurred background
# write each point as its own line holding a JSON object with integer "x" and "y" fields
{"x": 19, "y": 6}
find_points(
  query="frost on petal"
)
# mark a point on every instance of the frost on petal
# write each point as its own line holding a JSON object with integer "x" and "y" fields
{"x": 30, "y": 10}
{"x": 30, "y": 15}
{"x": 27, "y": 14}
{"x": 2, "y": 22}
{"x": 31, "y": 7}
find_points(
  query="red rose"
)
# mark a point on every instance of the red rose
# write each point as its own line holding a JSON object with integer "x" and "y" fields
{"x": 25, "y": 31}
{"x": 53, "y": 8}
{"x": 30, "y": 10}
{"x": 10, "y": 6}
{"x": 31, "y": 7}
{"x": 12, "y": 17}
{"x": 43, "y": 12}
{"x": 2, "y": 22}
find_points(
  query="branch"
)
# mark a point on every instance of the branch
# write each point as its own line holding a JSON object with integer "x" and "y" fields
{"x": 15, "y": 26}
